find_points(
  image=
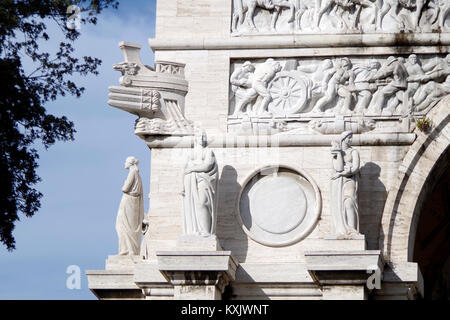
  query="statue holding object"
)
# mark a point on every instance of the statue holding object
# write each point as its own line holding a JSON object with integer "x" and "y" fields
{"x": 344, "y": 187}
{"x": 200, "y": 180}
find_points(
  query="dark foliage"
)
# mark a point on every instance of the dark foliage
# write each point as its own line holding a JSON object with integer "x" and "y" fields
{"x": 24, "y": 120}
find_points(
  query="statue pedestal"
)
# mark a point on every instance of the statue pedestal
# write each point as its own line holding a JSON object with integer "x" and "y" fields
{"x": 198, "y": 243}
{"x": 118, "y": 262}
{"x": 197, "y": 275}
{"x": 358, "y": 242}
{"x": 346, "y": 274}
{"x": 116, "y": 281}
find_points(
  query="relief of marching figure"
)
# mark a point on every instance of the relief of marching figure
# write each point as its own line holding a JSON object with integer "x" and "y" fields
{"x": 384, "y": 86}
{"x": 339, "y": 16}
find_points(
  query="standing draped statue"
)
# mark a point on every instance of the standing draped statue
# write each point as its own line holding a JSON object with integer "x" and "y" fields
{"x": 200, "y": 190}
{"x": 131, "y": 211}
{"x": 344, "y": 187}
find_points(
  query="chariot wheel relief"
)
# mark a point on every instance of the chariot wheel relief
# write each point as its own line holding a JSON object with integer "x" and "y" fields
{"x": 289, "y": 94}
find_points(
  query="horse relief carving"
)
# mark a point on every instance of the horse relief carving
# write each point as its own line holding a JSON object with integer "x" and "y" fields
{"x": 339, "y": 16}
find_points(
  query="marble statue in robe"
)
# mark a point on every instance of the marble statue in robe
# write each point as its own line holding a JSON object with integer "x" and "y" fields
{"x": 200, "y": 190}
{"x": 131, "y": 211}
{"x": 344, "y": 187}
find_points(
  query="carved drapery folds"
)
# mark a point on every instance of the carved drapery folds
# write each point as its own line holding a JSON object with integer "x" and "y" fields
{"x": 332, "y": 94}
{"x": 200, "y": 179}
{"x": 156, "y": 97}
{"x": 131, "y": 211}
{"x": 339, "y": 16}
{"x": 344, "y": 188}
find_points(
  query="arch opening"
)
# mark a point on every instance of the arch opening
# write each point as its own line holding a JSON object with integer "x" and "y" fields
{"x": 431, "y": 246}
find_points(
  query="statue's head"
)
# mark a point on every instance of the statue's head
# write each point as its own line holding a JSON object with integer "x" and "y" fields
{"x": 201, "y": 138}
{"x": 248, "y": 66}
{"x": 131, "y": 161}
{"x": 327, "y": 64}
{"x": 390, "y": 60}
{"x": 346, "y": 63}
{"x": 346, "y": 138}
{"x": 277, "y": 66}
{"x": 412, "y": 59}
{"x": 374, "y": 64}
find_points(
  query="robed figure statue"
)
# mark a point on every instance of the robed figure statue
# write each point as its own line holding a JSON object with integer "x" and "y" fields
{"x": 131, "y": 211}
{"x": 200, "y": 190}
{"x": 344, "y": 187}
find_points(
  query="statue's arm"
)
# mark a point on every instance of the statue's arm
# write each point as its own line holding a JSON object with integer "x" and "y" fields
{"x": 234, "y": 77}
{"x": 356, "y": 162}
{"x": 328, "y": 75}
{"x": 351, "y": 79}
{"x": 186, "y": 170}
{"x": 338, "y": 162}
{"x": 354, "y": 169}
{"x": 267, "y": 77}
{"x": 430, "y": 65}
{"x": 207, "y": 165}
{"x": 382, "y": 73}
{"x": 129, "y": 182}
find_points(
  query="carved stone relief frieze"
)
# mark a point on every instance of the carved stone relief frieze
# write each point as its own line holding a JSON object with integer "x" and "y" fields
{"x": 332, "y": 94}
{"x": 251, "y": 17}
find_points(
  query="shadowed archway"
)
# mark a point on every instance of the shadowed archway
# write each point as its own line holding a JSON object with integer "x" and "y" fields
{"x": 432, "y": 243}
{"x": 425, "y": 161}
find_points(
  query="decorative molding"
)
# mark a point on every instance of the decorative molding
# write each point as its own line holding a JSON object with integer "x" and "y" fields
{"x": 281, "y": 140}
{"x": 438, "y": 41}
{"x": 127, "y": 68}
{"x": 171, "y": 68}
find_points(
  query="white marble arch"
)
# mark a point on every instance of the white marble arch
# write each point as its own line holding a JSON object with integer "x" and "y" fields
{"x": 428, "y": 155}
{"x": 287, "y": 222}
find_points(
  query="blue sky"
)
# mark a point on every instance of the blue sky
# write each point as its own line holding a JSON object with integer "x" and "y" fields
{"x": 82, "y": 180}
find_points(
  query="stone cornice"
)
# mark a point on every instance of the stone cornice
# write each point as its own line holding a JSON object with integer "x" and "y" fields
{"x": 280, "y": 140}
{"x": 306, "y": 41}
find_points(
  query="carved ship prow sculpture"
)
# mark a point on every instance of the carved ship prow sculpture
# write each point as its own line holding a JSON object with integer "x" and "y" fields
{"x": 156, "y": 96}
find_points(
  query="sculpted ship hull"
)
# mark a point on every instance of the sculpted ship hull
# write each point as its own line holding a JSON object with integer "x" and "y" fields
{"x": 156, "y": 97}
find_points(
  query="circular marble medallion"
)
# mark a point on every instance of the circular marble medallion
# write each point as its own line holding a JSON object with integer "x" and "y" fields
{"x": 277, "y": 203}
{"x": 278, "y": 206}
